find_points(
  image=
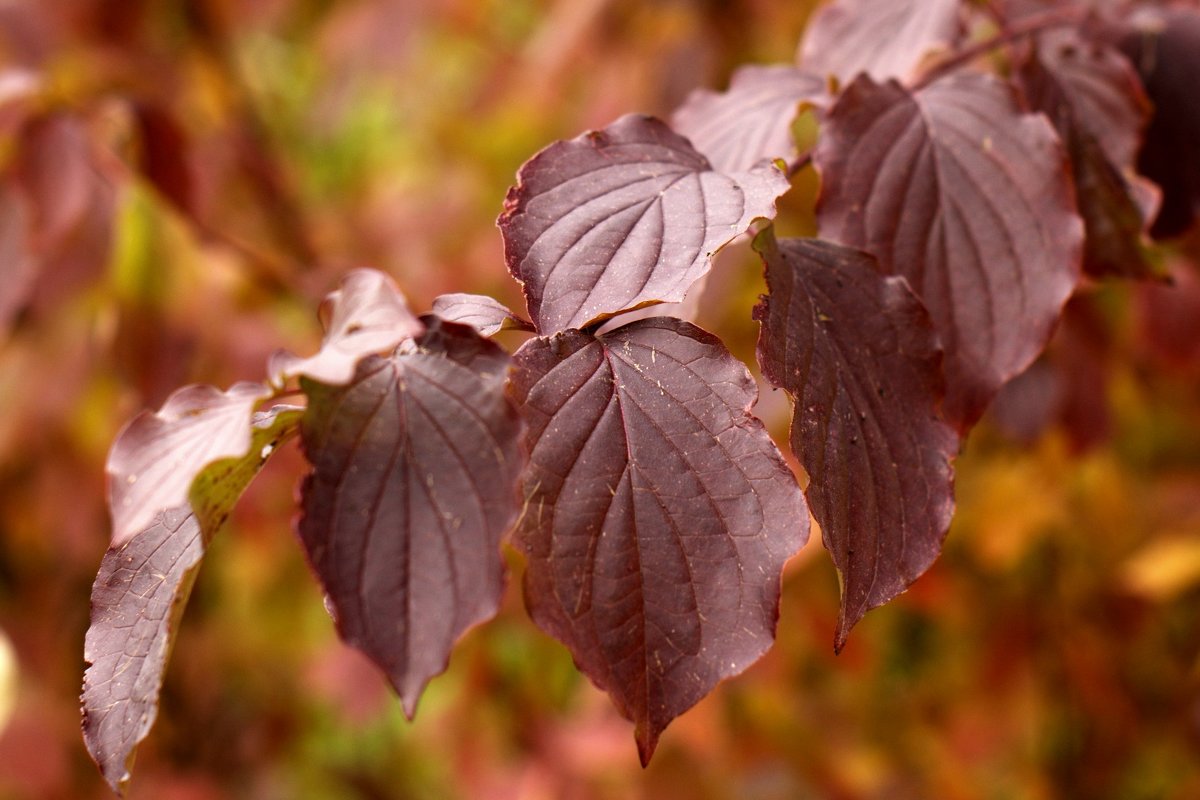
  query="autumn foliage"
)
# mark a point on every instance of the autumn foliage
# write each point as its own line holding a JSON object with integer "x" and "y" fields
{"x": 960, "y": 238}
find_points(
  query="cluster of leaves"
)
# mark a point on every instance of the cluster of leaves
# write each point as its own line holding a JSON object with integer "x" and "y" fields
{"x": 976, "y": 165}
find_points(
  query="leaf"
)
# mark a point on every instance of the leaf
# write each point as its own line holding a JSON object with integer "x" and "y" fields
{"x": 414, "y": 473}
{"x": 480, "y": 312}
{"x": 883, "y": 38}
{"x": 969, "y": 199}
{"x": 752, "y": 120}
{"x": 857, "y": 352}
{"x": 140, "y": 593}
{"x": 19, "y": 264}
{"x": 1090, "y": 93}
{"x": 623, "y": 218}
{"x": 1165, "y": 49}
{"x": 367, "y": 314}
{"x": 658, "y": 513}
{"x": 156, "y": 457}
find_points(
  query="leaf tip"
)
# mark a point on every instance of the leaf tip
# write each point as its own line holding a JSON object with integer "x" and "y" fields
{"x": 647, "y": 742}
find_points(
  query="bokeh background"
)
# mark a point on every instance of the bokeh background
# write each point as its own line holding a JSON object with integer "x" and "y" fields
{"x": 180, "y": 183}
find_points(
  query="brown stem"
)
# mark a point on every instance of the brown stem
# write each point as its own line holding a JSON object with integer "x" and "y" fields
{"x": 1034, "y": 23}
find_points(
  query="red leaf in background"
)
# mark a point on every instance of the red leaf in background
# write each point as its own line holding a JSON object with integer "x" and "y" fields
{"x": 1168, "y": 319}
{"x": 1165, "y": 48}
{"x": 145, "y": 578}
{"x": 162, "y": 155}
{"x": 658, "y": 513}
{"x": 366, "y": 314}
{"x": 413, "y": 484}
{"x": 18, "y": 267}
{"x": 479, "y": 311}
{"x": 1092, "y": 95}
{"x": 54, "y": 168}
{"x": 623, "y": 218}
{"x": 156, "y": 457}
{"x": 857, "y": 353}
{"x": 752, "y": 120}
{"x": 883, "y": 38}
{"x": 969, "y": 199}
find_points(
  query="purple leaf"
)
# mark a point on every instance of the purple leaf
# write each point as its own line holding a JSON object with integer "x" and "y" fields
{"x": 1165, "y": 49}
{"x": 623, "y": 218}
{"x": 883, "y": 38}
{"x": 658, "y": 513}
{"x": 969, "y": 199}
{"x": 1091, "y": 94}
{"x": 140, "y": 593}
{"x": 857, "y": 353}
{"x": 480, "y": 312}
{"x": 413, "y": 483}
{"x": 367, "y": 314}
{"x": 752, "y": 120}
{"x": 157, "y": 456}
{"x": 19, "y": 263}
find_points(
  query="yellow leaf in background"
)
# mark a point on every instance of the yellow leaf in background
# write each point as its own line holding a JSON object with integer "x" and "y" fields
{"x": 1164, "y": 568}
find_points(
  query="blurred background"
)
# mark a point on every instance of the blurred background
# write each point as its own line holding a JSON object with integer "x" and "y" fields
{"x": 181, "y": 182}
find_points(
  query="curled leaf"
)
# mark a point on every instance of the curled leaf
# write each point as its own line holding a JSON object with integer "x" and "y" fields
{"x": 367, "y": 314}
{"x": 856, "y": 351}
{"x": 156, "y": 457}
{"x": 414, "y": 471}
{"x": 623, "y": 218}
{"x": 658, "y": 513}
{"x": 141, "y": 590}
{"x": 479, "y": 311}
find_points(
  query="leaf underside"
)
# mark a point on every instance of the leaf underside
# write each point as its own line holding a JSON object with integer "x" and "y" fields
{"x": 623, "y": 218}
{"x": 752, "y": 120}
{"x": 479, "y": 311}
{"x": 968, "y": 198}
{"x": 141, "y": 590}
{"x": 857, "y": 353}
{"x": 882, "y": 38}
{"x": 658, "y": 513}
{"x": 366, "y": 314}
{"x": 414, "y": 476}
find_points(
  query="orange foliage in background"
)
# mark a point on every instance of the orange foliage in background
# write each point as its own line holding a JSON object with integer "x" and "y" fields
{"x": 180, "y": 183}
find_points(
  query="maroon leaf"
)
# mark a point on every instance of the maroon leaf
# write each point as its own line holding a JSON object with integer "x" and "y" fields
{"x": 971, "y": 200}
{"x": 857, "y": 352}
{"x": 883, "y": 38}
{"x": 17, "y": 262}
{"x": 479, "y": 311}
{"x": 367, "y": 314}
{"x": 752, "y": 120}
{"x": 623, "y": 218}
{"x": 1090, "y": 93}
{"x": 658, "y": 513}
{"x": 140, "y": 593}
{"x": 415, "y": 466}
{"x": 157, "y": 456}
{"x": 1165, "y": 49}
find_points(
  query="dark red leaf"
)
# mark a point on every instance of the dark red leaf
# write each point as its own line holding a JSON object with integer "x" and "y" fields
{"x": 752, "y": 120}
{"x": 163, "y": 155}
{"x": 658, "y": 513}
{"x": 156, "y": 457}
{"x": 1091, "y": 94}
{"x": 857, "y": 352}
{"x": 141, "y": 590}
{"x": 479, "y": 311}
{"x": 1168, "y": 319}
{"x": 366, "y": 314}
{"x": 1165, "y": 49}
{"x": 971, "y": 200}
{"x": 883, "y": 38}
{"x": 415, "y": 467}
{"x": 623, "y": 218}
{"x": 18, "y": 266}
